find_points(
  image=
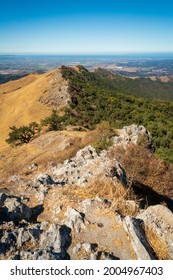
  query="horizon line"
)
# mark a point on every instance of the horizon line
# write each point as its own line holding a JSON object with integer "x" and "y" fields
{"x": 86, "y": 53}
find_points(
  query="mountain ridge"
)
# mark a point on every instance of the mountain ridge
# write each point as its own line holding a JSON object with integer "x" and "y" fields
{"x": 87, "y": 190}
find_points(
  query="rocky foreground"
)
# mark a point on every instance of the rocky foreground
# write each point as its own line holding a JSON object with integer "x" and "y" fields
{"x": 73, "y": 210}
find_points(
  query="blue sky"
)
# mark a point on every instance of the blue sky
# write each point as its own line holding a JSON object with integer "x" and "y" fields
{"x": 79, "y": 26}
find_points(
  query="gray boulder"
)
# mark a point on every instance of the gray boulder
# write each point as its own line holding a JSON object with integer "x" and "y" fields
{"x": 160, "y": 219}
{"x": 136, "y": 134}
{"x": 13, "y": 209}
{"x": 75, "y": 220}
{"x": 43, "y": 179}
{"x": 138, "y": 239}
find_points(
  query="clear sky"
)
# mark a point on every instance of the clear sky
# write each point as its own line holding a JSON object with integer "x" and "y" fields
{"x": 86, "y": 26}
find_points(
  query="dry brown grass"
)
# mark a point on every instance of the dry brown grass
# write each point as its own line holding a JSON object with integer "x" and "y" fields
{"x": 142, "y": 166}
{"x": 21, "y": 104}
{"x": 158, "y": 246}
{"x": 122, "y": 201}
{"x": 125, "y": 202}
{"x": 48, "y": 149}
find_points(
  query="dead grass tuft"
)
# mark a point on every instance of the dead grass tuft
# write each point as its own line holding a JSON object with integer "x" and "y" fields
{"x": 125, "y": 202}
{"x": 158, "y": 246}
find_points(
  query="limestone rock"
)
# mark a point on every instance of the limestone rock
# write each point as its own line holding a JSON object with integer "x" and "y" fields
{"x": 38, "y": 254}
{"x": 160, "y": 219}
{"x": 138, "y": 239}
{"x": 33, "y": 167}
{"x": 7, "y": 242}
{"x": 51, "y": 238}
{"x": 134, "y": 134}
{"x": 75, "y": 220}
{"x": 35, "y": 241}
{"x": 14, "y": 209}
{"x": 103, "y": 256}
{"x": 43, "y": 179}
{"x": 118, "y": 172}
{"x": 88, "y": 166}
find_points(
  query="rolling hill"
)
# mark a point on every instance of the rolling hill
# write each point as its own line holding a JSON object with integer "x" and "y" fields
{"x": 30, "y": 99}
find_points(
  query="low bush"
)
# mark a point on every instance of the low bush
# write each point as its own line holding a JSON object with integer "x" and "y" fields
{"x": 23, "y": 134}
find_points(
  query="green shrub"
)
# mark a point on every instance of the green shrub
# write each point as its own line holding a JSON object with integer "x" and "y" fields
{"x": 23, "y": 134}
{"x": 54, "y": 122}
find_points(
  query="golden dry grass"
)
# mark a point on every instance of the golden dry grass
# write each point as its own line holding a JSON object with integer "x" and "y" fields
{"x": 104, "y": 189}
{"x": 20, "y": 101}
{"x": 15, "y": 85}
{"x": 122, "y": 201}
{"x": 144, "y": 167}
{"x": 48, "y": 149}
{"x": 158, "y": 246}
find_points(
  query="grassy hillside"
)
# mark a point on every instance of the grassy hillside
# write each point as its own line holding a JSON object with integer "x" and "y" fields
{"x": 103, "y": 96}
{"x": 29, "y": 99}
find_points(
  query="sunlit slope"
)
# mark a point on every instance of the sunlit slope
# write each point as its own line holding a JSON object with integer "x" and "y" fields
{"x": 17, "y": 84}
{"x": 30, "y": 99}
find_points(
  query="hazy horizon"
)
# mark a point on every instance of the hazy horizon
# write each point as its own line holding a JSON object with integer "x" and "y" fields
{"x": 118, "y": 54}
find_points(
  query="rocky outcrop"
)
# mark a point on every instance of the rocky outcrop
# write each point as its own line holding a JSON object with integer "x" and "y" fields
{"x": 43, "y": 179}
{"x": 42, "y": 184}
{"x": 88, "y": 166}
{"x": 35, "y": 241}
{"x": 84, "y": 232}
{"x": 80, "y": 225}
{"x": 56, "y": 95}
{"x": 134, "y": 134}
{"x": 13, "y": 209}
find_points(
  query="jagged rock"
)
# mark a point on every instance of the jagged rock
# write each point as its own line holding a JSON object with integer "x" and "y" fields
{"x": 88, "y": 166}
{"x": 103, "y": 256}
{"x": 87, "y": 153}
{"x": 28, "y": 233}
{"x": 35, "y": 241}
{"x": 14, "y": 209}
{"x": 43, "y": 179}
{"x": 37, "y": 254}
{"x": 134, "y": 134}
{"x": 160, "y": 219}
{"x": 138, "y": 239}
{"x": 23, "y": 237}
{"x": 7, "y": 242}
{"x": 41, "y": 192}
{"x": 118, "y": 172}
{"x": 51, "y": 238}
{"x": 42, "y": 183}
{"x": 89, "y": 247}
{"x": 75, "y": 220}
{"x": 33, "y": 167}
